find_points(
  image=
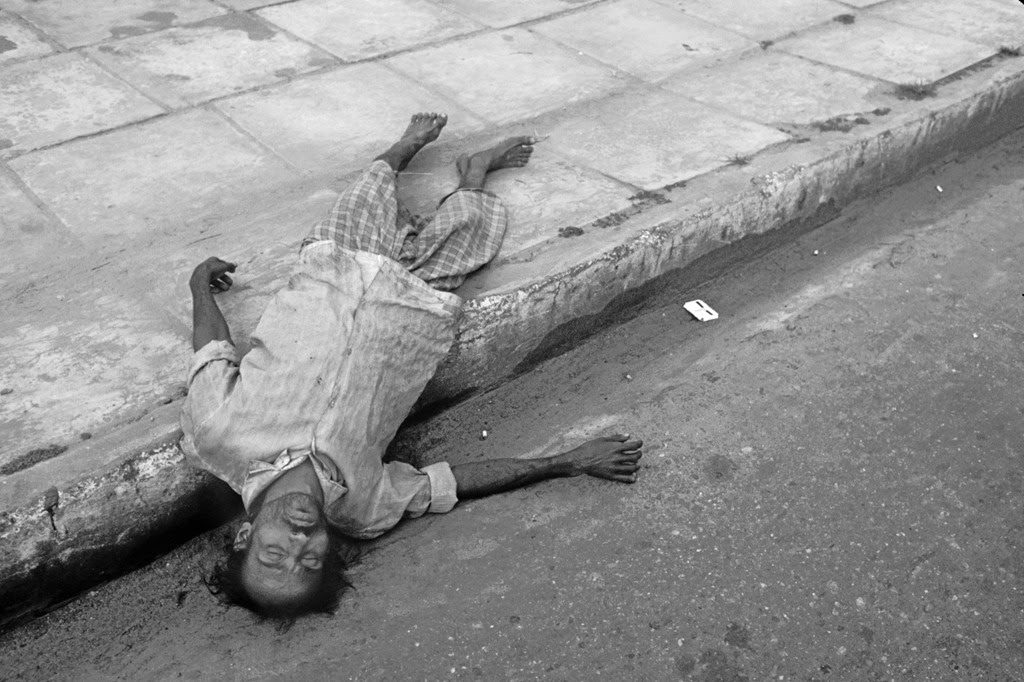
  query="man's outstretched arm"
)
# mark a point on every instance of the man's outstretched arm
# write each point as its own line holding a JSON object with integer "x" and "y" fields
{"x": 208, "y": 323}
{"x": 615, "y": 458}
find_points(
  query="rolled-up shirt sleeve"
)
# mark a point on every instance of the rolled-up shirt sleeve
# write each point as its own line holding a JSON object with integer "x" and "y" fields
{"x": 373, "y": 502}
{"x": 210, "y": 353}
{"x": 416, "y": 491}
{"x": 211, "y": 376}
{"x": 442, "y": 487}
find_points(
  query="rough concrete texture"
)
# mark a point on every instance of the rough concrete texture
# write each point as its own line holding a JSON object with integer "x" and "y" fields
{"x": 660, "y": 157}
{"x": 18, "y": 41}
{"x": 832, "y": 490}
{"x": 64, "y": 96}
{"x": 219, "y": 56}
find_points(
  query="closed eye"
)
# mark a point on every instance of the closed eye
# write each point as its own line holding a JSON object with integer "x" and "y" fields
{"x": 272, "y": 554}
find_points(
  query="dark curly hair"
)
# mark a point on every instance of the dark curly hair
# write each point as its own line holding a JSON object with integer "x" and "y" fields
{"x": 225, "y": 582}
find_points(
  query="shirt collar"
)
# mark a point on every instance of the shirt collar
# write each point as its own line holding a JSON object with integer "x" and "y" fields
{"x": 262, "y": 474}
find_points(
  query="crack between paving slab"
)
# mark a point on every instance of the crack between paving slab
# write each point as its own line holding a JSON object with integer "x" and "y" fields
{"x": 332, "y": 65}
{"x": 20, "y": 184}
{"x": 116, "y": 76}
{"x": 86, "y": 136}
{"x": 892, "y": 86}
{"x": 525, "y": 23}
{"x": 59, "y": 48}
{"x": 212, "y": 108}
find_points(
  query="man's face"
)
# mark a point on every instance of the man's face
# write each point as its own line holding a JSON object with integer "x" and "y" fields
{"x": 287, "y": 544}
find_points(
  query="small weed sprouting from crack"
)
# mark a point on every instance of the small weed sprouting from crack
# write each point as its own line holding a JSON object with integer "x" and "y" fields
{"x": 640, "y": 202}
{"x": 738, "y": 160}
{"x": 845, "y": 19}
{"x": 842, "y": 124}
{"x": 915, "y": 91}
{"x": 613, "y": 219}
{"x": 647, "y": 197}
{"x": 1007, "y": 51}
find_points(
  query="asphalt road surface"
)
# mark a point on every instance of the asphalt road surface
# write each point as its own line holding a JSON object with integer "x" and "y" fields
{"x": 832, "y": 489}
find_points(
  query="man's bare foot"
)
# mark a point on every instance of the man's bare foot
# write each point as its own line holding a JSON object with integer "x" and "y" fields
{"x": 513, "y": 152}
{"x": 615, "y": 458}
{"x": 423, "y": 129}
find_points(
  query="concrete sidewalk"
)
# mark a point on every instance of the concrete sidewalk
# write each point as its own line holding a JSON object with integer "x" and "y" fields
{"x": 138, "y": 138}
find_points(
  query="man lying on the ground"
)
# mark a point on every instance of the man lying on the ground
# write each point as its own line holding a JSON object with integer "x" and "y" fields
{"x": 298, "y": 427}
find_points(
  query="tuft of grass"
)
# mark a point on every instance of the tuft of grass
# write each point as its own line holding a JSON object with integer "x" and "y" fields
{"x": 738, "y": 160}
{"x": 647, "y": 197}
{"x": 915, "y": 91}
{"x": 842, "y": 124}
{"x": 845, "y": 19}
{"x": 1007, "y": 51}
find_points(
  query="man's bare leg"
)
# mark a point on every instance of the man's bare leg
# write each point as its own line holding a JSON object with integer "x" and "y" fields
{"x": 423, "y": 129}
{"x": 513, "y": 152}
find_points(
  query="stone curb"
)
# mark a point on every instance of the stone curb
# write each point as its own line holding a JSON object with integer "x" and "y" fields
{"x": 64, "y": 532}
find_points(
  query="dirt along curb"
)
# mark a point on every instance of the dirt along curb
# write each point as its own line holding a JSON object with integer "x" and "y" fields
{"x": 110, "y": 503}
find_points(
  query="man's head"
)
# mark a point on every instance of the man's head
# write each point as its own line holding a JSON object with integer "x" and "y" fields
{"x": 281, "y": 563}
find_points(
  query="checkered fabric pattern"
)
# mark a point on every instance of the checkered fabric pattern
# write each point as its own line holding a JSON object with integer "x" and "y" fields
{"x": 463, "y": 235}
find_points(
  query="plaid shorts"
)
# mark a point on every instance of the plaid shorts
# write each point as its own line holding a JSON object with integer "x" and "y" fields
{"x": 463, "y": 235}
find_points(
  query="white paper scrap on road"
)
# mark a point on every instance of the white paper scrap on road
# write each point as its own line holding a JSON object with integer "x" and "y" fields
{"x": 701, "y": 310}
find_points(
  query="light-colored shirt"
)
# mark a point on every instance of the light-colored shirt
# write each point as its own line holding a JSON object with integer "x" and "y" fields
{"x": 337, "y": 362}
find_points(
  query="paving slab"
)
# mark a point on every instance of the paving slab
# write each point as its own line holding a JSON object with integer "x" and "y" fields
{"x": 18, "y": 41}
{"x": 339, "y": 120}
{"x": 777, "y": 88}
{"x": 500, "y": 13}
{"x": 83, "y": 22}
{"x": 651, "y": 138}
{"x": 215, "y": 57}
{"x": 992, "y": 23}
{"x": 509, "y": 75}
{"x": 243, "y": 5}
{"x": 887, "y": 50}
{"x": 641, "y": 37}
{"x": 361, "y": 29}
{"x": 761, "y": 20}
{"x": 75, "y": 359}
{"x": 27, "y": 233}
{"x": 58, "y": 98}
{"x": 172, "y": 172}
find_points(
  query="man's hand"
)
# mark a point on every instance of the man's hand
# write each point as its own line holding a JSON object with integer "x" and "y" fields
{"x": 208, "y": 324}
{"x": 614, "y": 457}
{"x": 211, "y": 275}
